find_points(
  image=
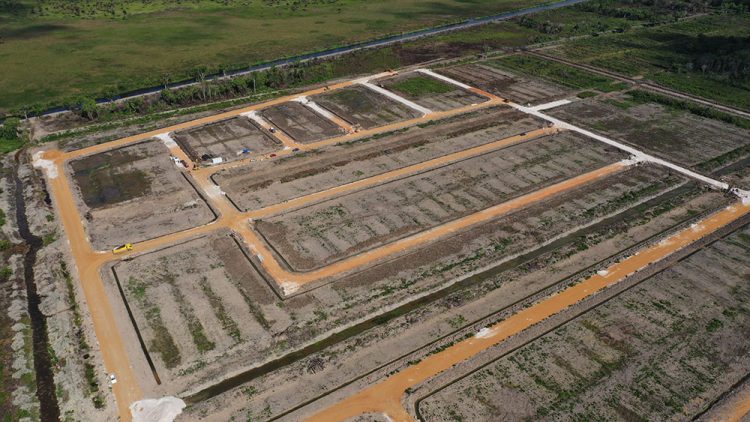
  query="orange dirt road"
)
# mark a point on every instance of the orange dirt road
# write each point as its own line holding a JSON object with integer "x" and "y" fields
{"x": 290, "y": 280}
{"x": 89, "y": 262}
{"x": 734, "y": 410}
{"x": 385, "y": 397}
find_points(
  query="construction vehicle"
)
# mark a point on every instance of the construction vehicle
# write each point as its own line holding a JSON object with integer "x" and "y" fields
{"x": 124, "y": 248}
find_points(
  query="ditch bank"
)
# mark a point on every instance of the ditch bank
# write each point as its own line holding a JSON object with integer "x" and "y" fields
{"x": 45, "y": 381}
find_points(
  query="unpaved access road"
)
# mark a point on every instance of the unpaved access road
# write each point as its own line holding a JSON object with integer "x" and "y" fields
{"x": 385, "y": 397}
{"x": 90, "y": 262}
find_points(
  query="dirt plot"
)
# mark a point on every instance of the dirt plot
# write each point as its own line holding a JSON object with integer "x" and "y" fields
{"x": 429, "y": 92}
{"x": 320, "y": 234}
{"x": 361, "y": 106}
{"x": 677, "y": 136}
{"x": 469, "y": 253}
{"x": 337, "y": 165}
{"x": 226, "y": 139}
{"x": 520, "y": 89}
{"x": 133, "y": 194}
{"x": 301, "y": 123}
{"x": 660, "y": 351}
{"x": 196, "y": 302}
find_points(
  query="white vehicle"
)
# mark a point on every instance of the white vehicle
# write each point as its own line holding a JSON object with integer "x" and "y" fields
{"x": 112, "y": 379}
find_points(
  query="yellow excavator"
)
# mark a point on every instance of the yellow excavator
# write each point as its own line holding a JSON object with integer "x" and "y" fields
{"x": 124, "y": 248}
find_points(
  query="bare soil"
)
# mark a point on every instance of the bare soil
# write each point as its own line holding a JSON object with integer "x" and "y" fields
{"x": 133, "y": 194}
{"x": 270, "y": 182}
{"x": 468, "y": 253}
{"x": 338, "y": 228}
{"x": 301, "y": 123}
{"x": 677, "y": 136}
{"x": 363, "y": 107}
{"x": 517, "y": 88}
{"x": 226, "y": 139}
{"x": 659, "y": 351}
{"x": 197, "y": 302}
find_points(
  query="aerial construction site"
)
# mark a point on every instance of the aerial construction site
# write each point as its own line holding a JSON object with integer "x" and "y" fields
{"x": 459, "y": 241}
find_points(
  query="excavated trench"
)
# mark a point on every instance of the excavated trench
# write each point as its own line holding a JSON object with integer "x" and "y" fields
{"x": 45, "y": 380}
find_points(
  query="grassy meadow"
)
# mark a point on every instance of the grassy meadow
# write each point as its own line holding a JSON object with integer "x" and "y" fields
{"x": 51, "y": 54}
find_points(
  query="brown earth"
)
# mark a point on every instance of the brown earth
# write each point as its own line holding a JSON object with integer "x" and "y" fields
{"x": 226, "y": 139}
{"x": 363, "y": 107}
{"x": 301, "y": 123}
{"x": 134, "y": 193}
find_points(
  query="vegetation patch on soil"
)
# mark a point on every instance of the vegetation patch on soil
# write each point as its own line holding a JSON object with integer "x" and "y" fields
{"x": 672, "y": 133}
{"x": 704, "y": 56}
{"x": 558, "y": 73}
{"x": 419, "y": 86}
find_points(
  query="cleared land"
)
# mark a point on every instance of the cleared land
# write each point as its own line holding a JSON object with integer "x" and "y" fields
{"x": 312, "y": 172}
{"x": 505, "y": 213}
{"x": 663, "y": 350}
{"x": 517, "y": 88}
{"x": 135, "y": 193}
{"x": 301, "y": 123}
{"x": 226, "y": 139}
{"x": 196, "y": 302}
{"x": 338, "y": 228}
{"x": 429, "y": 92}
{"x": 363, "y": 107}
{"x": 674, "y": 135}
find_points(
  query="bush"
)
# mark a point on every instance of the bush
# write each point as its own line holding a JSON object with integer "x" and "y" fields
{"x": 9, "y": 130}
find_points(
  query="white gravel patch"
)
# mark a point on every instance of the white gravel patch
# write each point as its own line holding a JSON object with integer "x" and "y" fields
{"x": 47, "y": 166}
{"x": 165, "y": 409}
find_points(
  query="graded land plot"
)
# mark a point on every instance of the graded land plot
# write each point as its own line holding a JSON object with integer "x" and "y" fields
{"x": 493, "y": 265}
{"x": 505, "y": 84}
{"x": 429, "y": 92}
{"x": 135, "y": 193}
{"x": 323, "y": 233}
{"x": 674, "y": 135}
{"x": 301, "y": 123}
{"x": 314, "y": 171}
{"x": 663, "y": 350}
{"x": 226, "y": 139}
{"x": 197, "y": 302}
{"x": 361, "y": 106}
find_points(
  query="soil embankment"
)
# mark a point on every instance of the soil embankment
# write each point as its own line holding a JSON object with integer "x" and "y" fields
{"x": 45, "y": 381}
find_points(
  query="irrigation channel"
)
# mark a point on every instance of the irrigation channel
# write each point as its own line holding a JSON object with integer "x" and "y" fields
{"x": 45, "y": 380}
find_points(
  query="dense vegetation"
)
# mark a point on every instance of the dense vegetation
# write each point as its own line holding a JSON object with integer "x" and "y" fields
{"x": 708, "y": 56}
{"x": 10, "y": 136}
{"x": 51, "y": 54}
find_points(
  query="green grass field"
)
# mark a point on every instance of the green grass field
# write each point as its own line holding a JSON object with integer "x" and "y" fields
{"x": 418, "y": 86}
{"x": 666, "y": 54}
{"x": 56, "y": 56}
